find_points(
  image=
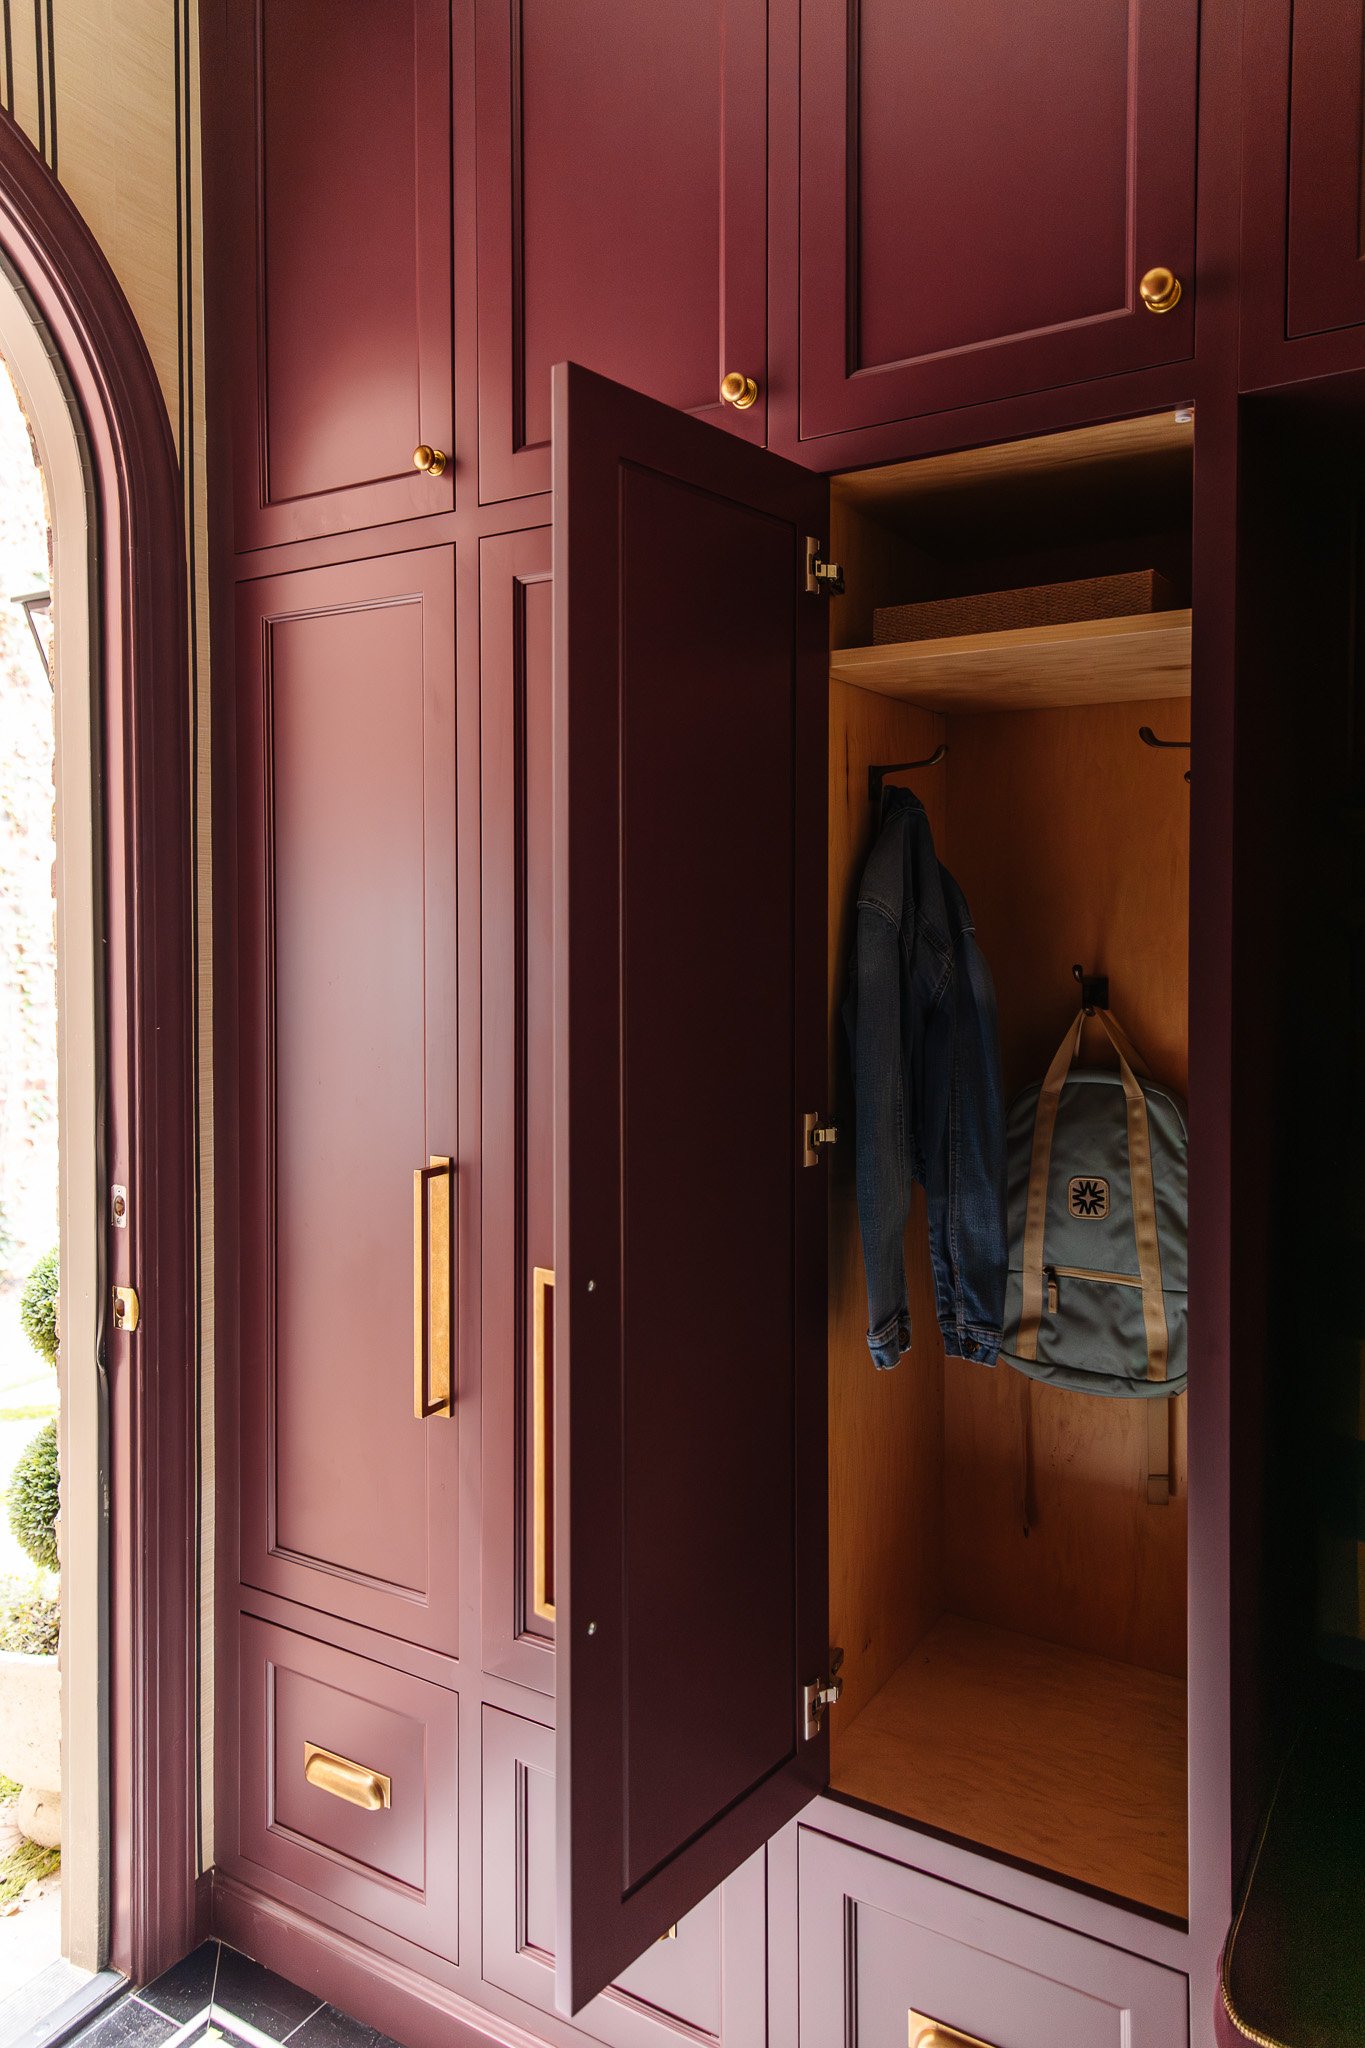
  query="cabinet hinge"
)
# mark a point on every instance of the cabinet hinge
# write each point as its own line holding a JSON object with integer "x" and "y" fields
{"x": 127, "y": 1309}
{"x": 823, "y": 579}
{"x": 815, "y": 1136}
{"x": 818, "y": 1698}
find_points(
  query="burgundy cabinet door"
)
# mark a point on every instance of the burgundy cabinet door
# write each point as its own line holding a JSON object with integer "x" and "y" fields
{"x": 701, "y": 1984}
{"x": 342, "y": 254}
{"x": 347, "y": 1063}
{"x": 982, "y": 188}
{"x": 622, "y": 201}
{"x": 690, "y": 686}
{"x": 517, "y": 875}
{"x": 1326, "y": 166}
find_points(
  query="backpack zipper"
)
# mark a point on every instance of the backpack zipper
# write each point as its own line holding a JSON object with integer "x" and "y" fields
{"x": 1052, "y": 1274}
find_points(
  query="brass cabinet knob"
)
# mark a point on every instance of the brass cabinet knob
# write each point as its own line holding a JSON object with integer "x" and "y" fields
{"x": 1159, "y": 290}
{"x": 432, "y": 461}
{"x": 738, "y": 390}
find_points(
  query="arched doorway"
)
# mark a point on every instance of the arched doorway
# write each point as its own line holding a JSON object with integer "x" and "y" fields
{"x": 107, "y": 451}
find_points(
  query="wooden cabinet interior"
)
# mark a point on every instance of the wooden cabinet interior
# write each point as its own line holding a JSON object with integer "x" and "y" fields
{"x": 1023, "y": 1689}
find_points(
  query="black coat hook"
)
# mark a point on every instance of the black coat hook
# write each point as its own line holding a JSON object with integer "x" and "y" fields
{"x": 1149, "y": 739}
{"x": 875, "y": 776}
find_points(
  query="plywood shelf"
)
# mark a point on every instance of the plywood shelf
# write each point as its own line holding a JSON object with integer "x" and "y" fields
{"x": 1030, "y": 668}
{"x": 1068, "y": 1761}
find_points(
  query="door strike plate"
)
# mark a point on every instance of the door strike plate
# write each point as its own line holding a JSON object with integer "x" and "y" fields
{"x": 127, "y": 1309}
{"x": 817, "y": 1699}
{"x": 823, "y": 579}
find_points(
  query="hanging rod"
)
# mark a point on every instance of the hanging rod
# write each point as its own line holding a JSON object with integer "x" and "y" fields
{"x": 1149, "y": 739}
{"x": 876, "y": 776}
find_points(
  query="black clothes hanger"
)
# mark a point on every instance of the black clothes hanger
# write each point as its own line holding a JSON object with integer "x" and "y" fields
{"x": 875, "y": 776}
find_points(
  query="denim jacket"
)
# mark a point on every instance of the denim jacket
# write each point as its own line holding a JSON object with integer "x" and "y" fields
{"x": 920, "y": 1015}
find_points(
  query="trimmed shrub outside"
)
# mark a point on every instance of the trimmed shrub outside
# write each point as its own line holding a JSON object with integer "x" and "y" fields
{"x": 34, "y": 1499}
{"x": 30, "y": 1622}
{"x": 38, "y": 1307}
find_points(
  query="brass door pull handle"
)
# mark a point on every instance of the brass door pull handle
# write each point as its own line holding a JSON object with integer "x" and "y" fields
{"x": 431, "y": 461}
{"x": 433, "y": 1253}
{"x": 927, "y": 2033}
{"x": 356, "y": 1783}
{"x": 738, "y": 390}
{"x": 1159, "y": 290}
{"x": 542, "y": 1469}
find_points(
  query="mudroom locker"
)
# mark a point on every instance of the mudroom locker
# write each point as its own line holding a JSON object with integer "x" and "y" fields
{"x": 605, "y": 1649}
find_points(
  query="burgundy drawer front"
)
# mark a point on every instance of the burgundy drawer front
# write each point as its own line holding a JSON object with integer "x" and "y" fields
{"x": 879, "y": 1942}
{"x": 395, "y": 1865}
{"x": 705, "y": 1984}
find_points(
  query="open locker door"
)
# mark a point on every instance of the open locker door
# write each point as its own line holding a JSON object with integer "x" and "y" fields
{"x": 690, "y": 691}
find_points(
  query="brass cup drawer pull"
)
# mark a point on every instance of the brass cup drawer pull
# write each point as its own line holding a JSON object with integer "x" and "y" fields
{"x": 542, "y": 1463}
{"x": 927, "y": 2033}
{"x": 433, "y": 1250}
{"x": 361, "y": 1786}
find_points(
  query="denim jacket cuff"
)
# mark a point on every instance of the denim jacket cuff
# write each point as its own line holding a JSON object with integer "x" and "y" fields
{"x": 889, "y": 1344}
{"x": 973, "y": 1341}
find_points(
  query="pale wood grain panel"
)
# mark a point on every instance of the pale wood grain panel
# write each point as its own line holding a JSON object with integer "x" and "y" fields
{"x": 1072, "y": 1762}
{"x": 27, "y": 81}
{"x": 1037, "y": 462}
{"x": 1097, "y": 871}
{"x": 886, "y": 1428}
{"x": 1093, "y": 661}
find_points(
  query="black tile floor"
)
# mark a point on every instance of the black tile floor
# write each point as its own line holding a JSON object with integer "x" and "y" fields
{"x": 219, "y": 1996}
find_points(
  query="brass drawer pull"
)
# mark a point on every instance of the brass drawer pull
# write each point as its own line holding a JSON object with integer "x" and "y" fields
{"x": 345, "y": 1780}
{"x": 542, "y": 1462}
{"x": 432, "y": 1258}
{"x": 927, "y": 2033}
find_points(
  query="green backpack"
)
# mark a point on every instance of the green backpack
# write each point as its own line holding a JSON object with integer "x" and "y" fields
{"x": 1095, "y": 1298}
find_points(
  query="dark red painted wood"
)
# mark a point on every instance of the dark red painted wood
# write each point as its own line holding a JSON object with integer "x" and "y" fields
{"x": 690, "y": 690}
{"x": 1326, "y": 248}
{"x": 348, "y": 1038}
{"x": 877, "y": 1940}
{"x": 517, "y": 713}
{"x": 341, "y": 141}
{"x": 621, "y": 212}
{"x": 700, "y": 1983}
{"x": 149, "y": 1088}
{"x": 397, "y": 1865}
{"x": 981, "y": 189}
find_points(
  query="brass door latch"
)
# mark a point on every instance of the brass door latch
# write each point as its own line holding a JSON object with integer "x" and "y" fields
{"x": 127, "y": 1309}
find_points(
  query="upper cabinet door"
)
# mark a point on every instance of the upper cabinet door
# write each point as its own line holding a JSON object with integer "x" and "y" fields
{"x": 1326, "y": 167}
{"x": 983, "y": 188}
{"x": 342, "y": 217}
{"x": 622, "y": 201}
{"x": 690, "y": 689}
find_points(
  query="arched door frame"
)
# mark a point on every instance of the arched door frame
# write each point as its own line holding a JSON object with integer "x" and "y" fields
{"x": 140, "y": 666}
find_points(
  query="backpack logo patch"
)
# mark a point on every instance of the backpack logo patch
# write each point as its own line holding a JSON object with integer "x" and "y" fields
{"x": 1088, "y": 1197}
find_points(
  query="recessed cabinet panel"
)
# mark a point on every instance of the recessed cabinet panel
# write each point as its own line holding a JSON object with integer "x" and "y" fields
{"x": 703, "y": 1980}
{"x": 982, "y": 189}
{"x": 690, "y": 676}
{"x": 622, "y": 212}
{"x": 343, "y": 266}
{"x": 349, "y": 1782}
{"x": 879, "y": 1943}
{"x": 517, "y": 714}
{"x": 1326, "y": 166}
{"x": 347, "y": 1031}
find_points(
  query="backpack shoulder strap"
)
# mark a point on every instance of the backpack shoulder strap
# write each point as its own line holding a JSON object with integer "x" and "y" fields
{"x": 1040, "y": 1163}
